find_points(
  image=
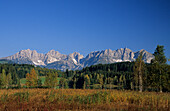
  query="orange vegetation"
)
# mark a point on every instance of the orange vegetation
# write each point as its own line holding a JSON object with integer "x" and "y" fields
{"x": 79, "y": 99}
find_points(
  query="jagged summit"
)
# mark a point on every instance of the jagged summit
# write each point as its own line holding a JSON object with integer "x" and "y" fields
{"x": 73, "y": 61}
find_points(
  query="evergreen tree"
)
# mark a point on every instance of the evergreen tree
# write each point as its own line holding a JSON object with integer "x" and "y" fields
{"x": 124, "y": 82}
{"x": 74, "y": 83}
{"x": 159, "y": 55}
{"x": 139, "y": 69}
{"x": 120, "y": 82}
{"x": 115, "y": 80}
{"x": 158, "y": 68}
{"x": 39, "y": 82}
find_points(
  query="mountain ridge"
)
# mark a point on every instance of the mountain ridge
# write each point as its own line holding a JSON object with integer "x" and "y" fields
{"x": 74, "y": 61}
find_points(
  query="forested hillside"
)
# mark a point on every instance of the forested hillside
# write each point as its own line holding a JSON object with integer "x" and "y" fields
{"x": 116, "y": 76}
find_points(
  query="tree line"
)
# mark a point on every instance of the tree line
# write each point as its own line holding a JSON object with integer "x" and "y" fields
{"x": 11, "y": 74}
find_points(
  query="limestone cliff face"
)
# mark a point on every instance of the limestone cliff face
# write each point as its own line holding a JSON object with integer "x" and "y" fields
{"x": 73, "y": 61}
{"x": 27, "y": 57}
{"x": 120, "y": 55}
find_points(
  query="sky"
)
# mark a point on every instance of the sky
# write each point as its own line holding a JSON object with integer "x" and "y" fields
{"x": 83, "y": 26}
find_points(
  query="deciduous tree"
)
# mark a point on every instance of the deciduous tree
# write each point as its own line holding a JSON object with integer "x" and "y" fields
{"x": 3, "y": 78}
{"x": 51, "y": 80}
{"x": 9, "y": 80}
{"x": 32, "y": 78}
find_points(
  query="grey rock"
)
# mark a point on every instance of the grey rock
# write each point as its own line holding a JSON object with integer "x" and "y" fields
{"x": 74, "y": 61}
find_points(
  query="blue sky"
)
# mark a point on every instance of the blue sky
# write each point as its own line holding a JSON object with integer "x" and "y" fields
{"x": 83, "y": 25}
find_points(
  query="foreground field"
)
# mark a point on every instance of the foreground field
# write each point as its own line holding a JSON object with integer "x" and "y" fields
{"x": 77, "y": 99}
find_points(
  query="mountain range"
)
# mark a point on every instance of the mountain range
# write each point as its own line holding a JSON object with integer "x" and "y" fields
{"x": 53, "y": 59}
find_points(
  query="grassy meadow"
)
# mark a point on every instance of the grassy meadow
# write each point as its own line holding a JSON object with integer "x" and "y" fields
{"x": 79, "y": 99}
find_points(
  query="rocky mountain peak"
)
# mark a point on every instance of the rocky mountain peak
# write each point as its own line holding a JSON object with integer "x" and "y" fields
{"x": 76, "y": 57}
{"x": 27, "y": 50}
{"x": 127, "y": 49}
{"x": 143, "y": 51}
{"x": 107, "y": 51}
{"x": 74, "y": 54}
{"x": 53, "y": 55}
{"x": 53, "y": 52}
{"x": 73, "y": 61}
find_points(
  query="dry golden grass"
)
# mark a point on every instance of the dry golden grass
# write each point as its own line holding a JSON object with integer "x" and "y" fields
{"x": 78, "y": 99}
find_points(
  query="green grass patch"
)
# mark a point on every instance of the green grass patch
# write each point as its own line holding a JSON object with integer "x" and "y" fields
{"x": 42, "y": 79}
{"x": 23, "y": 80}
